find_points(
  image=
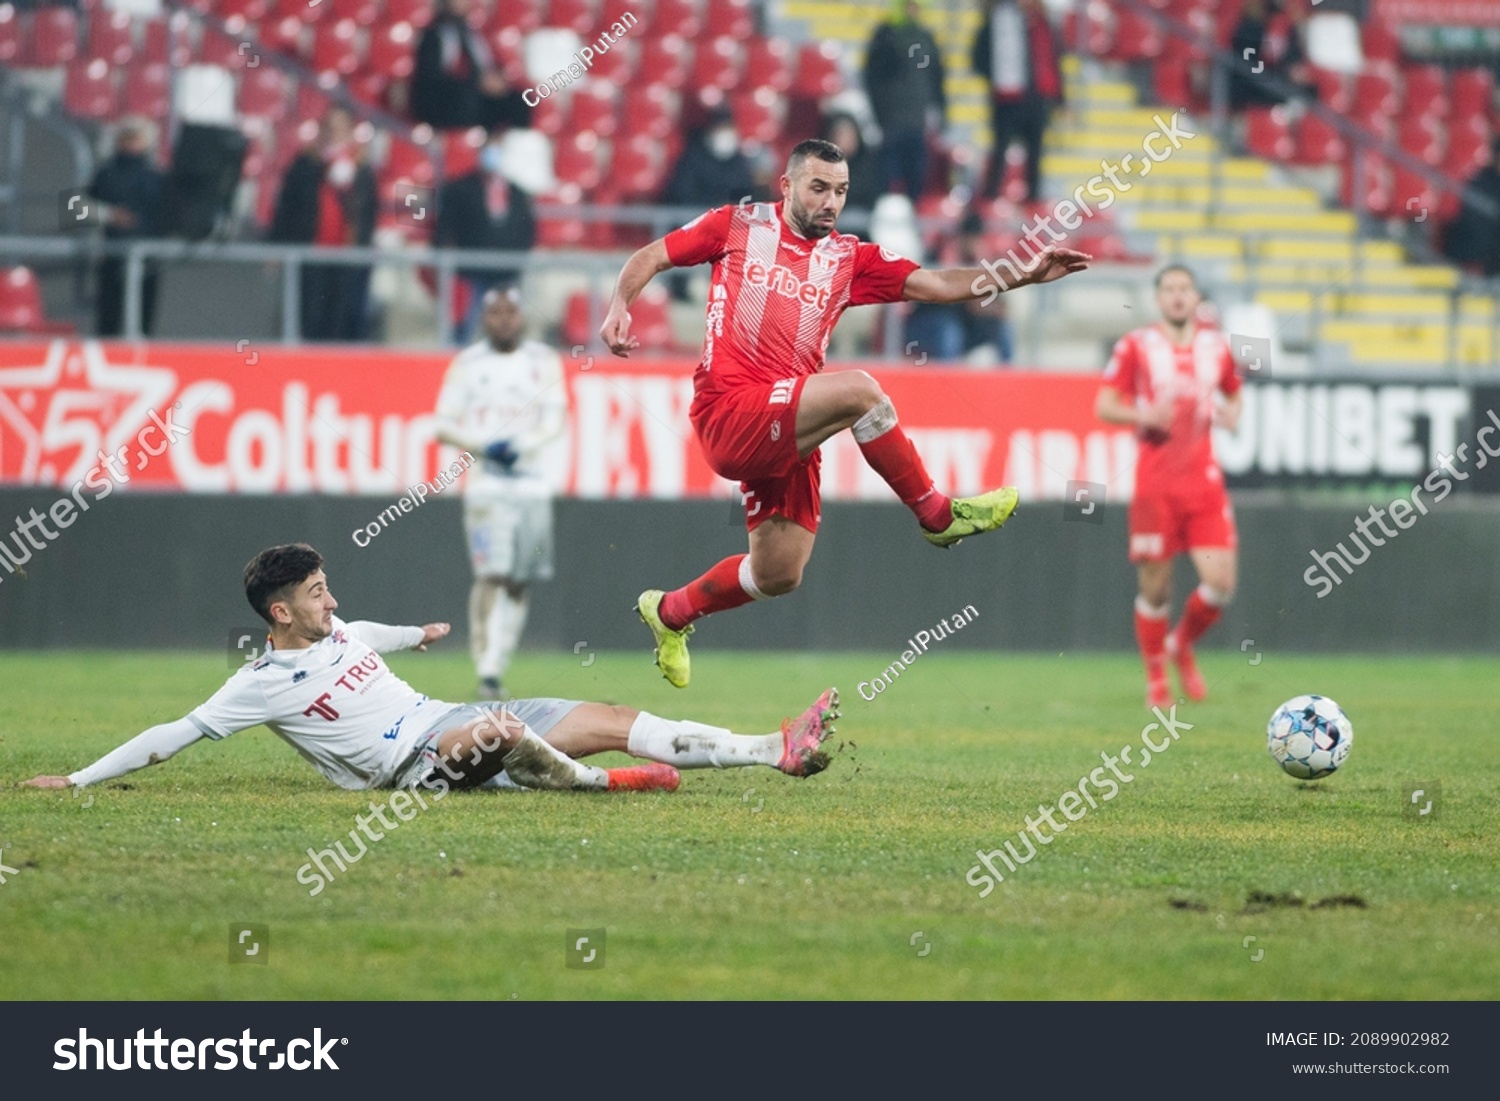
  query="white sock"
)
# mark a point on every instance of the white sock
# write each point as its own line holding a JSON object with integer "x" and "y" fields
{"x": 481, "y": 600}
{"x": 535, "y": 764}
{"x": 493, "y": 656}
{"x": 696, "y": 745}
{"x": 515, "y": 623}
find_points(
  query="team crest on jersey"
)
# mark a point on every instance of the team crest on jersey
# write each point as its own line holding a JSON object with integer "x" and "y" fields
{"x": 340, "y": 638}
{"x": 299, "y": 676}
{"x": 890, "y": 257}
{"x": 775, "y": 431}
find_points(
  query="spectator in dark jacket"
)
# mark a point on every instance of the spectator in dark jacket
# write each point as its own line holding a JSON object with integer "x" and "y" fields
{"x": 1264, "y": 42}
{"x": 1017, "y": 52}
{"x": 482, "y": 209}
{"x": 1472, "y": 239}
{"x": 904, "y": 79}
{"x": 864, "y": 171}
{"x": 328, "y": 198}
{"x": 713, "y": 169}
{"x": 131, "y": 188}
{"x": 455, "y": 84}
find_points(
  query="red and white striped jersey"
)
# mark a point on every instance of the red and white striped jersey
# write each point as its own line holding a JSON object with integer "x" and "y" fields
{"x": 775, "y": 295}
{"x": 1149, "y": 368}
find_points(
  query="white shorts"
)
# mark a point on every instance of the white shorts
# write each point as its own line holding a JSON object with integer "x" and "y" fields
{"x": 509, "y": 536}
{"x": 540, "y": 715}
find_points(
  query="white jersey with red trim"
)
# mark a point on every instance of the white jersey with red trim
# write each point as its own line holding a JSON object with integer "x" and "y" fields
{"x": 336, "y": 702}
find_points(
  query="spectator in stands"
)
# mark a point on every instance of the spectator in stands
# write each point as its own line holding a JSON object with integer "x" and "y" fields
{"x": 903, "y": 77}
{"x": 843, "y": 130}
{"x": 1017, "y": 52}
{"x": 1472, "y": 239}
{"x": 328, "y": 199}
{"x": 483, "y": 209}
{"x": 714, "y": 168}
{"x": 966, "y": 330}
{"x": 132, "y": 190}
{"x": 455, "y": 84}
{"x": 1265, "y": 39}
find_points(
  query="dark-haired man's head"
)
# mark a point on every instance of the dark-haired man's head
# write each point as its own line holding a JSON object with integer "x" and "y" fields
{"x": 1177, "y": 294}
{"x": 815, "y": 187}
{"x": 286, "y": 587}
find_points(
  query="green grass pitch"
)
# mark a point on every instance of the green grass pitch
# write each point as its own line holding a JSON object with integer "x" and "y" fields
{"x": 748, "y": 884}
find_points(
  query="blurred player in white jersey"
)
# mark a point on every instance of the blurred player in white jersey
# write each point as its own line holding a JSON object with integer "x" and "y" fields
{"x": 323, "y": 687}
{"x": 504, "y": 399}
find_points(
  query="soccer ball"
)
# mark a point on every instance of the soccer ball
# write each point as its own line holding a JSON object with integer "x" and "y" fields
{"x": 1309, "y": 736}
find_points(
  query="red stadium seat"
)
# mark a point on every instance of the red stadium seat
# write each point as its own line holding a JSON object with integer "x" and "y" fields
{"x": 651, "y": 319}
{"x": 393, "y": 51}
{"x": 731, "y": 18}
{"x": 10, "y": 34}
{"x": 216, "y": 48}
{"x": 617, "y": 64}
{"x": 679, "y": 17}
{"x": 1375, "y": 94}
{"x": 818, "y": 71}
{"x": 524, "y": 15}
{"x": 1318, "y": 142}
{"x": 148, "y": 90}
{"x": 615, "y": 11}
{"x": 336, "y": 48}
{"x": 508, "y": 45}
{"x": 1268, "y": 133}
{"x": 1422, "y": 138}
{"x": 1136, "y": 38}
{"x": 768, "y": 64}
{"x": 416, "y": 12}
{"x": 759, "y": 114}
{"x": 158, "y": 46}
{"x": 1378, "y": 41}
{"x": 717, "y": 64}
{"x": 111, "y": 36}
{"x": 1426, "y": 92}
{"x": 575, "y": 15}
{"x": 550, "y": 115}
{"x": 650, "y": 113}
{"x": 21, "y": 309}
{"x": 263, "y": 93}
{"x": 578, "y": 161}
{"x": 1335, "y": 90}
{"x": 91, "y": 91}
{"x": 1172, "y": 79}
{"x": 563, "y": 232}
{"x": 578, "y": 326}
{"x": 301, "y": 10}
{"x": 251, "y": 11}
{"x": 664, "y": 61}
{"x": 1473, "y": 93}
{"x": 1098, "y": 29}
{"x": 312, "y": 103}
{"x": 1411, "y": 197}
{"x": 288, "y": 35}
{"x": 406, "y": 160}
{"x": 595, "y": 108}
{"x": 364, "y": 12}
{"x": 1372, "y": 191}
{"x": 637, "y": 168}
{"x": 54, "y": 39}
{"x": 1468, "y": 150}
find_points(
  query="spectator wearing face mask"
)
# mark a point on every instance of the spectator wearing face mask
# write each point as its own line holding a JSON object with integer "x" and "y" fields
{"x": 328, "y": 199}
{"x": 482, "y": 208}
{"x": 713, "y": 169}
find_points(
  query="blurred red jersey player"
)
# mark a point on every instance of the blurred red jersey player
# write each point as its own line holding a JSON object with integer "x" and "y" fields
{"x": 1164, "y": 381}
{"x": 762, "y": 406}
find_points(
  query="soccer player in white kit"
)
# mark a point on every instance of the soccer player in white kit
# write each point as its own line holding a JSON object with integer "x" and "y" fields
{"x": 323, "y": 687}
{"x": 504, "y": 398}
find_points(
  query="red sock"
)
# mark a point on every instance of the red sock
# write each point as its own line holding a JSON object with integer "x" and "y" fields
{"x": 1151, "y": 636}
{"x": 716, "y": 591}
{"x": 892, "y": 456}
{"x": 1198, "y": 615}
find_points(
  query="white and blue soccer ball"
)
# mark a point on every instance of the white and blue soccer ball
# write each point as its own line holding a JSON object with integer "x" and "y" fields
{"x": 1309, "y": 736}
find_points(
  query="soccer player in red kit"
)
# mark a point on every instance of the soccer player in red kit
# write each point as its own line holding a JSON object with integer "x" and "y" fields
{"x": 782, "y": 276}
{"x": 1164, "y": 381}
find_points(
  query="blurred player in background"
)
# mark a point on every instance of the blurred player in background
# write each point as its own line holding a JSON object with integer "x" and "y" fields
{"x": 1164, "y": 381}
{"x": 504, "y": 400}
{"x": 762, "y": 406}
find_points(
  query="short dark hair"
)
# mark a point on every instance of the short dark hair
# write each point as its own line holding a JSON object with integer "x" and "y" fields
{"x": 813, "y": 147}
{"x": 1170, "y": 268}
{"x": 274, "y": 572}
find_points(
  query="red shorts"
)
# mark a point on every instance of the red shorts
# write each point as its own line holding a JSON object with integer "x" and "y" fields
{"x": 1163, "y": 525}
{"x": 749, "y": 433}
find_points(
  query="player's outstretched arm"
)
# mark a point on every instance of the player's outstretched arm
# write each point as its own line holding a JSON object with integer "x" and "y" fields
{"x": 948, "y": 285}
{"x": 383, "y": 638}
{"x": 151, "y": 747}
{"x": 640, "y": 269}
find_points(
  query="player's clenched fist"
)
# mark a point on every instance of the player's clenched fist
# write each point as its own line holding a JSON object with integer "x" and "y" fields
{"x": 616, "y": 333}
